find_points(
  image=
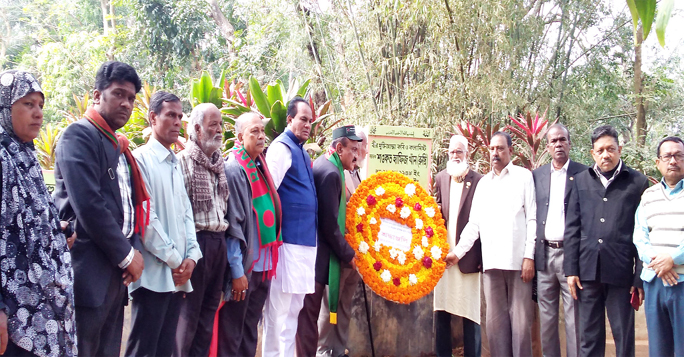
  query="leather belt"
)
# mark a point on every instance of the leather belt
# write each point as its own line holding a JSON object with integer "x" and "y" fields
{"x": 555, "y": 244}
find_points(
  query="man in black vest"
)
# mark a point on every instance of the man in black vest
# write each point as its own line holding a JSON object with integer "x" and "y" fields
{"x": 601, "y": 262}
{"x": 553, "y": 184}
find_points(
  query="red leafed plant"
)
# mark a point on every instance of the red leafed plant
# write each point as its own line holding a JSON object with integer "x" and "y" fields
{"x": 528, "y": 138}
{"x": 479, "y": 136}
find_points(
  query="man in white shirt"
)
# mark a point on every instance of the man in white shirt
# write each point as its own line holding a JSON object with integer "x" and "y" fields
{"x": 292, "y": 174}
{"x": 503, "y": 215}
{"x": 553, "y": 185}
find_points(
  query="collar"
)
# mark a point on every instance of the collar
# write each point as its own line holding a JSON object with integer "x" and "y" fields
{"x": 598, "y": 173}
{"x": 504, "y": 171}
{"x": 678, "y": 187}
{"x": 160, "y": 152}
{"x": 562, "y": 169}
{"x": 292, "y": 136}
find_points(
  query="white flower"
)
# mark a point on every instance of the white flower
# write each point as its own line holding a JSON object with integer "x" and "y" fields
{"x": 436, "y": 253}
{"x": 380, "y": 191}
{"x": 373, "y": 220}
{"x": 418, "y": 252}
{"x": 425, "y": 241}
{"x": 363, "y": 247}
{"x": 401, "y": 257}
{"x": 377, "y": 246}
{"x": 410, "y": 189}
{"x": 386, "y": 276}
{"x": 430, "y": 211}
{"x": 419, "y": 223}
{"x": 412, "y": 279}
{"x": 393, "y": 253}
{"x": 391, "y": 208}
{"x": 360, "y": 211}
{"x": 405, "y": 212}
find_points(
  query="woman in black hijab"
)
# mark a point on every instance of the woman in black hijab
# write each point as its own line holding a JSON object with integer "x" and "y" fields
{"x": 36, "y": 298}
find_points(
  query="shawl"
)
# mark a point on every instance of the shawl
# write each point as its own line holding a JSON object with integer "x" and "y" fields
{"x": 120, "y": 142}
{"x": 201, "y": 191}
{"x": 265, "y": 205}
{"x": 37, "y": 277}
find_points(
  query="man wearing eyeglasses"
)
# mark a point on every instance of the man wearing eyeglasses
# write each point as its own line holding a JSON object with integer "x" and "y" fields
{"x": 601, "y": 262}
{"x": 659, "y": 238}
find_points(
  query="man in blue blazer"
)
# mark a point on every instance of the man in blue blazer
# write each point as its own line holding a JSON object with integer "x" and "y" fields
{"x": 96, "y": 189}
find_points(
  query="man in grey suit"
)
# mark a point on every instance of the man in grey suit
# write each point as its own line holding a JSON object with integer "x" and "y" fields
{"x": 553, "y": 184}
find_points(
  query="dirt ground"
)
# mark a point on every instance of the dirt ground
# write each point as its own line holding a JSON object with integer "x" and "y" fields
{"x": 641, "y": 336}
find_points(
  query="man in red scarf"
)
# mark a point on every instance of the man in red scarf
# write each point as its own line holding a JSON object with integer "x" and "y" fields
{"x": 99, "y": 188}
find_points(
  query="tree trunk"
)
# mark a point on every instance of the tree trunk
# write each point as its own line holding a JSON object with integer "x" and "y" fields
{"x": 105, "y": 10}
{"x": 226, "y": 28}
{"x": 111, "y": 15}
{"x": 638, "y": 92}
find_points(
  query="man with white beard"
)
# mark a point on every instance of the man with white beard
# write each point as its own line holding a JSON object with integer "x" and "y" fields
{"x": 205, "y": 181}
{"x": 332, "y": 339}
{"x": 458, "y": 292}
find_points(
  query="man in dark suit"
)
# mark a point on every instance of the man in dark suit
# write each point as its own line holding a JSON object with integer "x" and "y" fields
{"x": 333, "y": 249}
{"x": 98, "y": 187}
{"x": 601, "y": 261}
{"x": 553, "y": 184}
{"x": 458, "y": 292}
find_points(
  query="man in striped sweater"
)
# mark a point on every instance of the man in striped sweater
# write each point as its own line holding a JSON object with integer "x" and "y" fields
{"x": 659, "y": 238}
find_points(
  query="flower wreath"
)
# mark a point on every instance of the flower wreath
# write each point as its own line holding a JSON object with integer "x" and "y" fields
{"x": 395, "y": 274}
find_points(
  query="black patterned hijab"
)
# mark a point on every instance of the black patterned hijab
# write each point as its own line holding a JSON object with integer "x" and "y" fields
{"x": 14, "y": 85}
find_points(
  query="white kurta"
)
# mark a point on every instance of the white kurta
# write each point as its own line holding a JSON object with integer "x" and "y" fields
{"x": 457, "y": 293}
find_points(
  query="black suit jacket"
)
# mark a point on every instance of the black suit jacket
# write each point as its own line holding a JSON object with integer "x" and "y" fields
{"x": 87, "y": 192}
{"x": 599, "y": 226}
{"x": 471, "y": 261}
{"x": 542, "y": 186}
{"x": 330, "y": 240}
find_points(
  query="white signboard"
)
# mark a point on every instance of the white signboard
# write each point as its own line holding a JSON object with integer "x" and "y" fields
{"x": 395, "y": 235}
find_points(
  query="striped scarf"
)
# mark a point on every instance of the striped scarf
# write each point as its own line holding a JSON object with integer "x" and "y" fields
{"x": 120, "y": 142}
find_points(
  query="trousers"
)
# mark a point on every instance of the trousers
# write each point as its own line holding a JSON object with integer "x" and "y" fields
{"x": 595, "y": 299}
{"x": 509, "y": 314}
{"x": 332, "y": 339}
{"x": 154, "y": 318}
{"x": 472, "y": 336}
{"x": 198, "y": 309}
{"x": 664, "y": 306}
{"x": 551, "y": 286}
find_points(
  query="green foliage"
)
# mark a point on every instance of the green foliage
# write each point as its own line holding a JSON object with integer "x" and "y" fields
{"x": 204, "y": 91}
{"x": 645, "y": 10}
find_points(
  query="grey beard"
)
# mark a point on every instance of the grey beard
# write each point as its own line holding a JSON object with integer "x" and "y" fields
{"x": 456, "y": 169}
{"x": 360, "y": 163}
{"x": 211, "y": 145}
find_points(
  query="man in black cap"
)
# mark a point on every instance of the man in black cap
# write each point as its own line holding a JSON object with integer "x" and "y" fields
{"x": 333, "y": 249}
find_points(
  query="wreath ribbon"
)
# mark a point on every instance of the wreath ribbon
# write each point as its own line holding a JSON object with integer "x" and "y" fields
{"x": 334, "y": 267}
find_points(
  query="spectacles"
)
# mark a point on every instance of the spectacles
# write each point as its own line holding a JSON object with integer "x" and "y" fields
{"x": 668, "y": 157}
